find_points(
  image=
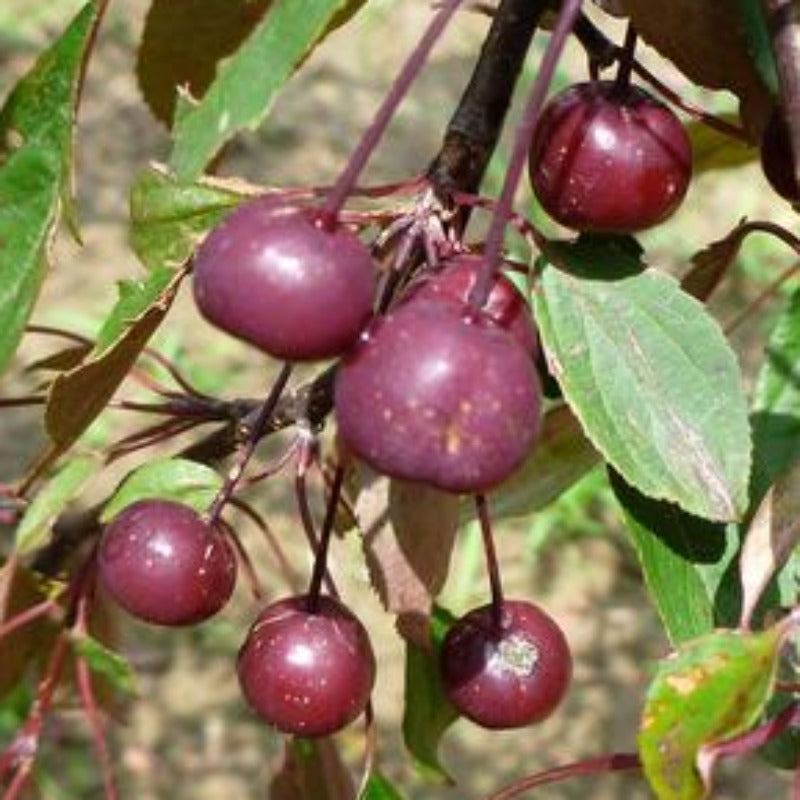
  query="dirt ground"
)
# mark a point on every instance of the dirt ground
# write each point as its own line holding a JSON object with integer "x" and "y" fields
{"x": 190, "y": 736}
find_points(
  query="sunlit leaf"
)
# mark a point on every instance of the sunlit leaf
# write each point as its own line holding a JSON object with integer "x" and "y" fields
{"x": 710, "y": 690}
{"x": 36, "y": 130}
{"x": 248, "y": 82}
{"x": 649, "y": 374}
{"x": 175, "y": 479}
{"x": 168, "y": 217}
{"x": 34, "y": 527}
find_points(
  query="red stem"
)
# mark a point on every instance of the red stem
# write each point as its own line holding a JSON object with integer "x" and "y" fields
{"x": 259, "y": 429}
{"x": 503, "y": 210}
{"x": 616, "y": 762}
{"x": 492, "y": 566}
{"x": 372, "y": 135}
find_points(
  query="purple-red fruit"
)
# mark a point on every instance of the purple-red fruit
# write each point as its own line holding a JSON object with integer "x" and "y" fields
{"x": 510, "y": 676}
{"x": 504, "y": 306}
{"x": 164, "y": 564}
{"x": 308, "y": 673}
{"x": 777, "y": 158}
{"x": 438, "y": 394}
{"x": 609, "y": 159}
{"x": 274, "y": 276}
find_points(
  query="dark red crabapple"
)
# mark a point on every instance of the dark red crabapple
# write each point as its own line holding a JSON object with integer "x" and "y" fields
{"x": 307, "y": 673}
{"x": 164, "y": 564}
{"x": 777, "y": 159}
{"x": 508, "y": 677}
{"x": 505, "y": 305}
{"x": 272, "y": 275}
{"x": 437, "y": 394}
{"x": 609, "y": 159}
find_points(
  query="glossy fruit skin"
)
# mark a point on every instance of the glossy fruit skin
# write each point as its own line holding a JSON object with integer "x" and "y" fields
{"x": 505, "y": 306}
{"x": 164, "y": 564}
{"x": 609, "y": 159}
{"x": 777, "y": 159}
{"x": 508, "y": 678}
{"x": 437, "y": 395}
{"x": 272, "y": 275}
{"x": 309, "y": 674}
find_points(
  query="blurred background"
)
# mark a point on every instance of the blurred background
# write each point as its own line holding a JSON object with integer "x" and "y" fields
{"x": 188, "y": 735}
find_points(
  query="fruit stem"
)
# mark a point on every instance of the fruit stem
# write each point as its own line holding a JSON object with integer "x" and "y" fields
{"x": 246, "y": 452}
{"x": 315, "y": 584}
{"x": 372, "y": 135}
{"x": 615, "y": 762}
{"x": 492, "y": 566}
{"x": 522, "y": 139}
{"x": 626, "y": 59}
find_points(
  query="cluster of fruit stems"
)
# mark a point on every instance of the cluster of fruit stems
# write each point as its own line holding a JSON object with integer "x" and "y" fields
{"x": 454, "y": 174}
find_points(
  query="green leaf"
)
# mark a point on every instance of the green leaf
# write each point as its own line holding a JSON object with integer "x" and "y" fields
{"x": 248, "y": 82}
{"x": 34, "y": 528}
{"x": 106, "y": 663}
{"x": 169, "y": 479}
{"x": 168, "y": 217}
{"x": 561, "y": 457}
{"x": 648, "y": 373}
{"x": 379, "y": 788}
{"x": 713, "y": 150}
{"x": 428, "y": 713}
{"x": 671, "y": 545}
{"x": 135, "y": 298}
{"x": 758, "y": 42}
{"x": 36, "y": 127}
{"x": 776, "y": 402}
{"x": 712, "y": 689}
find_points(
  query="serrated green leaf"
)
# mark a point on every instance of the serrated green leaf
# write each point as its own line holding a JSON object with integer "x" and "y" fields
{"x": 671, "y": 546}
{"x": 561, "y": 457}
{"x": 378, "y": 787}
{"x": 648, "y": 373}
{"x": 110, "y": 665}
{"x": 168, "y": 217}
{"x": 248, "y": 82}
{"x": 169, "y": 479}
{"x": 710, "y": 690}
{"x": 713, "y": 150}
{"x": 428, "y": 713}
{"x": 36, "y": 127}
{"x": 34, "y": 528}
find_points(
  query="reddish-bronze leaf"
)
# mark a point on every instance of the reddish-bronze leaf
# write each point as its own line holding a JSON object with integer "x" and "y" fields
{"x": 312, "y": 769}
{"x": 710, "y": 264}
{"x": 408, "y": 535}
{"x": 182, "y": 43}
{"x": 77, "y": 396}
{"x": 20, "y": 590}
{"x": 705, "y": 40}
